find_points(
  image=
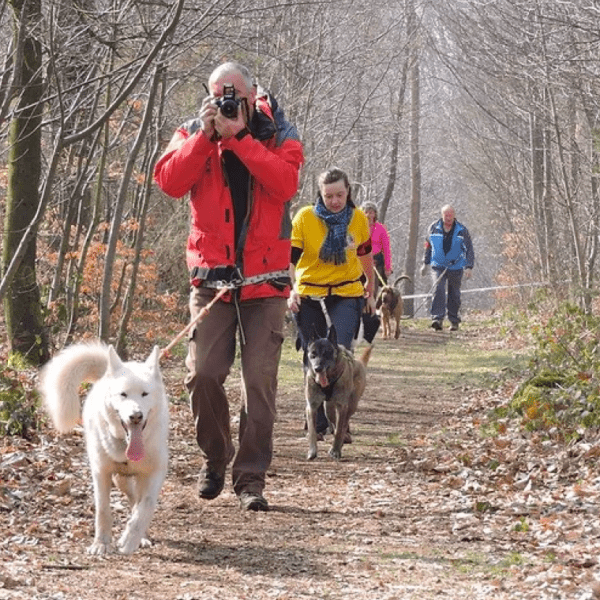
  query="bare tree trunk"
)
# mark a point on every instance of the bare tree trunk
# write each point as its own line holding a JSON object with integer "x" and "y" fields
{"x": 415, "y": 162}
{"x": 549, "y": 234}
{"x": 393, "y": 170}
{"x": 152, "y": 157}
{"x": 22, "y": 305}
{"x": 536, "y": 138}
{"x": 569, "y": 196}
{"x": 104, "y": 317}
{"x": 569, "y": 199}
{"x": 129, "y": 298}
{"x": 77, "y": 279}
{"x": 594, "y": 232}
{"x": 62, "y": 251}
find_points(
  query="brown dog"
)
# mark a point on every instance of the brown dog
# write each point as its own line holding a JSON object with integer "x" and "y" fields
{"x": 391, "y": 306}
{"x": 335, "y": 377}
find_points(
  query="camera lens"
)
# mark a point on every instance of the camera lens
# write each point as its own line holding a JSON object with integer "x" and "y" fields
{"x": 229, "y": 108}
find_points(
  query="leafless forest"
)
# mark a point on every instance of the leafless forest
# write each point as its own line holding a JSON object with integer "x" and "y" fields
{"x": 492, "y": 106}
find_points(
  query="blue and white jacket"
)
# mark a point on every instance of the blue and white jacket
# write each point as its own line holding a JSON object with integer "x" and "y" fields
{"x": 460, "y": 255}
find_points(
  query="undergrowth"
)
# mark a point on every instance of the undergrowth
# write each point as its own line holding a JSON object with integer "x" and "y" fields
{"x": 562, "y": 390}
{"x": 18, "y": 401}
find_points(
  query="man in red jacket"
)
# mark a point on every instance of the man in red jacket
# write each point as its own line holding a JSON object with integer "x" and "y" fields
{"x": 240, "y": 161}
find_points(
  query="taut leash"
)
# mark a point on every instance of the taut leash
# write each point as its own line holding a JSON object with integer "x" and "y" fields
{"x": 203, "y": 312}
{"x": 379, "y": 275}
{"x": 430, "y": 292}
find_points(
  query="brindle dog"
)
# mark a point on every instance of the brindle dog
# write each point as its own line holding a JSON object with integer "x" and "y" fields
{"x": 335, "y": 377}
{"x": 390, "y": 304}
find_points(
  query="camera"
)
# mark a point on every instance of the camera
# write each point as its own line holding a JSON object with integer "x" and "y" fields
{"x": 228, "y": 104}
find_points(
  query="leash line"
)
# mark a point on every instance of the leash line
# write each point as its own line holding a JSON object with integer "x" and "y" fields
{"x": 379, "y": 275}
{"x": 325, "y": 312}
{"x": 428, "y": 295}
{"x": 201, "y": 315}
{"x": 483, "y": 289}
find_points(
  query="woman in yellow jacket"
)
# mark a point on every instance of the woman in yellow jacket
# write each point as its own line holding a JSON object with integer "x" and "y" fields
{"x": 332, "y": 265}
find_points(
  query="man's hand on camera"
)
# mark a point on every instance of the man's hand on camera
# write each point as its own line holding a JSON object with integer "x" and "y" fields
{"x": 208, "y": 112}
{"x": 227, "y": 128}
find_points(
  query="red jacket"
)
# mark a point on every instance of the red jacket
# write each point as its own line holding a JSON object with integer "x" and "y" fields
{"x": 273, "y": 156}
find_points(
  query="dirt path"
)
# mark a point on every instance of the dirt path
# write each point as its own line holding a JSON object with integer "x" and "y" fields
{"x": 391, "y": 520}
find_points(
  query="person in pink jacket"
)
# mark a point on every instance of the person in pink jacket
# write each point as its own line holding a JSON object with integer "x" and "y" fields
{"x": 380, "y": 240}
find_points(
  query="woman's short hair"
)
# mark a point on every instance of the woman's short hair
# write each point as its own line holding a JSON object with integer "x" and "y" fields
{"x": 335, "y": 174}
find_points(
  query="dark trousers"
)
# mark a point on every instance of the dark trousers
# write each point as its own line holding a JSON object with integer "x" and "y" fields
{"x": 440, "y": 304}
{"x": 379, "y": 264}
{"x": 211, "y": 354}
{"x": 345, "y": 315}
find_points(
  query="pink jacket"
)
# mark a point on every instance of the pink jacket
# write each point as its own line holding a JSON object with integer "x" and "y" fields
{"x": 380, "y": 241}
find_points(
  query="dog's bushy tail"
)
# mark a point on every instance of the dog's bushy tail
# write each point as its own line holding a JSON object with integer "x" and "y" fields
{"x": 366, "y": 355}
{"x": 61, "y": 377}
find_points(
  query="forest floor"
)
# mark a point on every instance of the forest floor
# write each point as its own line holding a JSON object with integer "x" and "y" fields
{"x": 432, "y": 500}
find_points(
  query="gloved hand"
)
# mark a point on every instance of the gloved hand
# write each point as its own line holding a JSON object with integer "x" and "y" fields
{"x": 423, "y": 270}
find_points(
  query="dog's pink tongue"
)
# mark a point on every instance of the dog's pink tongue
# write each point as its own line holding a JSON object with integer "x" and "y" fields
{"x": 135, "y": 449}
{"x": 322, "y": 379}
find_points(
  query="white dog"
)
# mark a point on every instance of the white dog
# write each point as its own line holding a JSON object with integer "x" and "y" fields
{"x": 126, "y": 422}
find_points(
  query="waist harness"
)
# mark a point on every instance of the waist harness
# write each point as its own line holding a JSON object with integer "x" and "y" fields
{"x": 330, "y": 287}
{"x": 232, "y": 277}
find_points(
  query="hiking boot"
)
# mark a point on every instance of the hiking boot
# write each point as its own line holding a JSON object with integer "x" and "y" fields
{"x": 454, "y": 327}
{"x": 436, "y": 325}
{"x": 253, "y": 501}
{"x": 210, "y": 484}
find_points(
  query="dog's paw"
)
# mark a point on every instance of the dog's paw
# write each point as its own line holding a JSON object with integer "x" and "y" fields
{"x": 129, "y": 544}
{"x": 100, "y": 549}
{"x": 128, "y": 548}
{"x": 334, "y": 453}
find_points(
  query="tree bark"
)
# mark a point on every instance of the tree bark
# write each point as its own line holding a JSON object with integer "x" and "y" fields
{"x": 22, "y": 306}
{"x": 415, "y": 163}
{"x": 104, "y": 320}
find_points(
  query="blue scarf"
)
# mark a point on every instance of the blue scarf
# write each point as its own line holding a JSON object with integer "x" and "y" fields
{"x": 333, "y": 249}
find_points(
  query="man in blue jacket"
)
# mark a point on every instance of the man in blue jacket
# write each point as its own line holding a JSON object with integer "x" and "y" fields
{"x": 449, "y": 251}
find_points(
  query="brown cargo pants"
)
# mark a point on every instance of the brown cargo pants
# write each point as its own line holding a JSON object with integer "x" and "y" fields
{"x": 211, "y": 353}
